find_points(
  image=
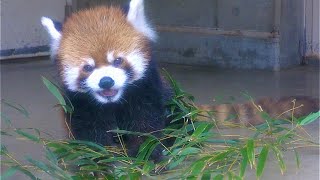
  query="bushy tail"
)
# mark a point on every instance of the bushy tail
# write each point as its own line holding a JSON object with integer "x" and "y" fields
{"x": 249, "y": 113}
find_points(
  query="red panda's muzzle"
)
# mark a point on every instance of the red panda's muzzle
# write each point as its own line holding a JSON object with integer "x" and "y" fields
{"x": 108, "y": 92}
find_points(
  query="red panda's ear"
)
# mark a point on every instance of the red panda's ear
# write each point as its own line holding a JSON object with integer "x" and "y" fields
{"x": 136, "y": 17}
{"x": 54, "y": 29}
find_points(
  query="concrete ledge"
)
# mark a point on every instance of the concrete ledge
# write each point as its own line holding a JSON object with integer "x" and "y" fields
{"x": 24, "y": 52}
{"x": 215, "y": 31}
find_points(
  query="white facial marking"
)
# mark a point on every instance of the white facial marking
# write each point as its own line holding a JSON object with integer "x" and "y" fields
{"x": 138, "y": 63}
{"x": 54, "y": 33}
{"x": 89, "y": 61}
{"x": 71, "y": 75}
{"x": 118, "y": 75}
{"x": 110, "y": 57}
{"x": 136, "y": 17}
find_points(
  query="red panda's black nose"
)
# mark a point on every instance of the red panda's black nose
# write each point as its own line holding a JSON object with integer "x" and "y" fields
{"x": 106, "y": 82}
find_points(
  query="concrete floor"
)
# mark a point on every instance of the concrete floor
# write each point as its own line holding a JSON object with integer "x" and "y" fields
{"x": 21, "y": 83}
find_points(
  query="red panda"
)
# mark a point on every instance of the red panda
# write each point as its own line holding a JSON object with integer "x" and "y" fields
{"x": 107, "y": 71}
{"x": 104, "y": 61}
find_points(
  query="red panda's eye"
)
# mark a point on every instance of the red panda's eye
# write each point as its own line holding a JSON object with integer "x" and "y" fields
{"x": 88, "y": 68}
{"x": 118, "y": 61}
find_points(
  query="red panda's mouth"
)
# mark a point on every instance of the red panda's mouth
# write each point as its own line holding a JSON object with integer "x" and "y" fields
{"x": 108, "y": 92}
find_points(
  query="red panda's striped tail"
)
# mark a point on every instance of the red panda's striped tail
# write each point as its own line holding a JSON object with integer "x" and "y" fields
{"x": 249, "y": 113}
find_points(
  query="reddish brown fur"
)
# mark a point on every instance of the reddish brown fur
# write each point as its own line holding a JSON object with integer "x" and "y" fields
{"x": 95, "y": 32}
{"x": 249, "y": 113}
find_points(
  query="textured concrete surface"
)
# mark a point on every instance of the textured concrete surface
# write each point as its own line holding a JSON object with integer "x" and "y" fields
{"x": 220, "y": 50}
{"x": 21, "y": 83}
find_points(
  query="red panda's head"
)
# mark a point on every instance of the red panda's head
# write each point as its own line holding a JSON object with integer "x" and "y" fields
{"x": 102, "y": 50}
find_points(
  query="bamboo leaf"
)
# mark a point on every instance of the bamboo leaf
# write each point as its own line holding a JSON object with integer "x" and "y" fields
{"x": 51, "y": 156}
{"x": 89, "y": 144}
{"x": 8, "y": 173}
{"x": 197, "y": 167}
{"x": 189, "y": 150}
{"x": 147, "y": 146}
{"x": 38, "y": 164}
{"x": 204, "y": 127}
{"x": 147, "y": 167}
{"x": 27, "y": 135}
{"x": 250, "y": 152}
{"x": 262, "y": 160}
{"x": 17, "y": 107}
{"x": 56, "y": 92}
{"x": 309, "y": 119}
{"x": 297, "y": 157}
{"x": 218, "y": 177}
{"x": 27, "y": 173}
{"x": 4, "y": 149}
{"x": 6, "y": 119}
{"x": 279, "y": 157}
{"x": 176, "y": 163}
{"x": 244, "y": 162}
{"x": 223, "y": 141}
{"x": 116, "y": 159}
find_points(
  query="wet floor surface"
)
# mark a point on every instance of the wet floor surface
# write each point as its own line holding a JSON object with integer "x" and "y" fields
{"x": 21, "y": 83}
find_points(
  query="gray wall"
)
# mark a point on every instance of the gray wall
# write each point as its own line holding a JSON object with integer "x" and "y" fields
{"x": 223, "y": 14}
{"x": 263, "y": 34}
{"x": 21, "y": 29}
{"x": 291, "y": 29}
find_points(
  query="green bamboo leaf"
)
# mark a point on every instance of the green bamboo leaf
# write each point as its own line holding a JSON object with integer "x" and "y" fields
{"x": 89, "y": 144}
{"x": 250, "y": 152}
{"x": 219, "y": 156}
{"x": 17, "y": 107}
{"x": 27, "y": 135}
{"x": 38, "y": 164}
{"x": 132, "y": 133}
{"x": 279, "y": 129}
{"x": 297, "y": 157}
{"x": 218, "y": 177}
{"x": 59, "y": 147}
{"x": 262, "y": 160}
{"x": 204, "y": 127}
{"x": 4, "y": 149}
{"x": 244, "y": 162}
{"x": 51, "y": 156}
{"x": 116, "y": 159}
{"x": 6, "y": 119}
{"x": 232, "y": 176}
{"x": 26, "y": 172}
{"x": 176, "y": 163}
{"x": 206, "y": 176}
{"x": 147, "y": 167}
{"x": 90, "y": 168}
{"x": 173, "y": 83}
{"x": 223, "y": 141}
{"x": 134, "y": 176}
{"x": 146, "y": 147}
{"x": 72, "y": 156}
{"x": 197, "y": 167}
{"x": 279, "y": 157}
{"x": 189, "y": 151}
{"x": 56, "y": 92}
{"x": 309, "y": 119}
{"x": 8, "y": 173}
{"x": 181, "y": 106}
